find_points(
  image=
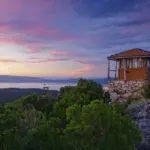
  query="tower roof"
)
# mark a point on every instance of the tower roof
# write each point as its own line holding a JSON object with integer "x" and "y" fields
{"x": 136, "y": 52}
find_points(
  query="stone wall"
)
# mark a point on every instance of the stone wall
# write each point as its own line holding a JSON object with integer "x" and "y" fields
{"x": 124, "y": 90}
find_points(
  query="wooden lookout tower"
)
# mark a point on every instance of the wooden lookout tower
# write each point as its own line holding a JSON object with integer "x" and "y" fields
{"x": 132, "y": 64}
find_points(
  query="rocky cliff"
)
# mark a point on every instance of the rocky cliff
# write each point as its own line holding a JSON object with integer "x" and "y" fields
{"x": 141, "y": 116}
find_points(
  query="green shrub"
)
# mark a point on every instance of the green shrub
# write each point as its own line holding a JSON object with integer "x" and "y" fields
{"x": 97, "y": 126}
{"x": 147, "y": 91}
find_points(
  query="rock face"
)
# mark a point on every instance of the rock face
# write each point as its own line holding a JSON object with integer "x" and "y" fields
{"x": 126, "y": 90}
{"x": 114, "y": 96}
{"x": 141, "y": 116}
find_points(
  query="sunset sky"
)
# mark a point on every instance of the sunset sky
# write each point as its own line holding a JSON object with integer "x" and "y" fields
{"x": 69, "y": 38}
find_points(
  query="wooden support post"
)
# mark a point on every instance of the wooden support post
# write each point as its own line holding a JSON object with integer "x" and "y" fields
{"x": 116, "y": 71}
{"x": 125, "y": 73}
{"x": 125, "y": 77}
{"x": 124, "y": 63}
{"x": 108, "y": 69}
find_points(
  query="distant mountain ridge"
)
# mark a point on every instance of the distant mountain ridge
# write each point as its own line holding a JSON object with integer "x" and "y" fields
{"x": 10, "y": 94}
{"x": 27, "y": 79}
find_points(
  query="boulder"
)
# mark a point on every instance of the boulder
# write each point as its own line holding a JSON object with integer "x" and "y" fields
{"x": 127, "y": 95}
{"x": 122, "y": 101}
{"x": 137, "y": 95}
{"x": 114, "y": 96}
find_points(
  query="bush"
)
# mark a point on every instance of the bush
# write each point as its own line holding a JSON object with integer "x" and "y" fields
{"x": 147, "y": 91}
{"x": 97, "y": 126}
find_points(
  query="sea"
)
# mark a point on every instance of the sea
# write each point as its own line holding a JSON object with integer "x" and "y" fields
{"x": 52, "y": 86}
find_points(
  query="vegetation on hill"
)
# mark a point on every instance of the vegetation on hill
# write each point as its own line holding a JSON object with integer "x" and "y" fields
{"x": 80, "y": 118}
{"x": 10, "y": 94}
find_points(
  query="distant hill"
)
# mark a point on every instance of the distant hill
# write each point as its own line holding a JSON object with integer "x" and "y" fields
{"x": 5, "y": 78}
{"x": 22, "y": 79}
{"x": 11, "y": 94}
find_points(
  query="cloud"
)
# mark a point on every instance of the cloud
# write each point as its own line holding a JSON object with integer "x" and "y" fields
{"x": 11, "y": 40}
{"x": 9, "y": 61}
{"x": 33, "y": 49}
{"x": 66, "y": 55}
{"x": 38, "y": 60}
{"x": 103, "y": 8}
{"x": 60, "y": 53}
{"x": 79, "y": 72}
{"x": 89, "y": 64}
{"x": 134, "y": 23}
{"x": 83, "y": 32}
{"x": 33, "y": 60}
{"x": 77, "y": 56}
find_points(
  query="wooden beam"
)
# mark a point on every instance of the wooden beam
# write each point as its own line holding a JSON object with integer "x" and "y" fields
{"x": 116, "y": 71}
{"x": 108, "y": 69}
{"x": 119, "y": 66}
{"x": 113, "y": 70}
{"x": 125, "y": 75}
{"x": 145, "y": 62}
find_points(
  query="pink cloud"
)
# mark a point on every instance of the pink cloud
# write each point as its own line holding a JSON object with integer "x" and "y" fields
{"x": 58, "y": 59}
{"x": 38, "y": 8}
{"x": 38, "y": 60}
{"x": 12, "y": 40}
{"x": 6, "y": 40}
{"x": 35, "y": 8}
{"x": 76, "y": 57}
{"x": 85, "y": 69}
{"x": 31, "y": 60}
{"x": 69, "y": 38}
{"x": 60, "y": 53}
{"x": 9, "y": 61}
{"x": 4, "y": 28}
{"x": 8, "y": 8}
{"x": 38, "y": 31}
{"x": 33, "y": 49}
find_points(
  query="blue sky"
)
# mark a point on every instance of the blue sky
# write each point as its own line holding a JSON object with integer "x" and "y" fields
{"x": 69, "y": 38}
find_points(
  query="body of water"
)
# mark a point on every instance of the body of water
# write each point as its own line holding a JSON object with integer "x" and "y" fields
{"x": 52, "y": 86}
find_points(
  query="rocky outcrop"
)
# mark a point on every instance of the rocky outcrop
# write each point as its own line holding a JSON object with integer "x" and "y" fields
{"x": 125, "y": 90}
{"x": 140, "y": 113}
{"x": 122, "y": 91}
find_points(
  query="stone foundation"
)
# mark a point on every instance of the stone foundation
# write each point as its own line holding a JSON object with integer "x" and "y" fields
{"x": 125, "y": 90}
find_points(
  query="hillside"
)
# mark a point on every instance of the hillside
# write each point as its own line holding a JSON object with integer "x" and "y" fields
{"x": 11, "y": 94}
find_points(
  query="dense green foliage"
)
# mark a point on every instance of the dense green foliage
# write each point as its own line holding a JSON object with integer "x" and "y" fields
{"x": 79, "y": 119}
{"x": 147, "y": 91}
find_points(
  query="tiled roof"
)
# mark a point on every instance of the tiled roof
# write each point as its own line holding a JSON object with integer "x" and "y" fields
{"x": 136, "y": 52}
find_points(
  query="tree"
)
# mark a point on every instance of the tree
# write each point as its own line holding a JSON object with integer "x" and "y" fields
{"x": 83, "y": 94}
{"x": 43, "y": 103}
{"x": 97, "y": 126}
{"x": 81, "y": 119}
{"x": 48, "y": 136}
